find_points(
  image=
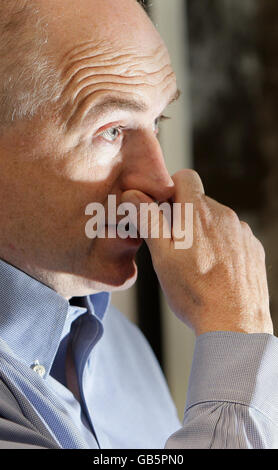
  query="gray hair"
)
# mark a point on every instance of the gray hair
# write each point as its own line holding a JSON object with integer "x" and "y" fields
{"x": 28, "y": 81}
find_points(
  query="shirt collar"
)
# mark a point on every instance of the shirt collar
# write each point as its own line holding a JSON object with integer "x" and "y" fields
{"x": 33, "y": 316}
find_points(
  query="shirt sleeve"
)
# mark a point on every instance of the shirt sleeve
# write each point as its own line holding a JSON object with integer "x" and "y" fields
{"x": 232, "y": 400}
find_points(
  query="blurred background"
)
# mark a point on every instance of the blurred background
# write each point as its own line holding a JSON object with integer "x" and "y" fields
{"x": 225, "y": 127}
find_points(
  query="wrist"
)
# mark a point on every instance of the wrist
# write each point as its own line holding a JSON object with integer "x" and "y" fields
{"x": 267, "y": 329}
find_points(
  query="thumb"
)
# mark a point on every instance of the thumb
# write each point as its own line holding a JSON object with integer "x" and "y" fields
{"x": 153, "y": 223}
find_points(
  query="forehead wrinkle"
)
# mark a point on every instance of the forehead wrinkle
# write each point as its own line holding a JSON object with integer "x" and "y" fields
{"x": 110, "y": 103}
{"x": 100, "y": 72}
{"x": 126, "y": 51}
{"x": 78, "y": 112}
{"x": 125, "y": 71}
{"x": 88, "y": 77}
{"x": 112, "y": 58}
{"x": 80, "y": 115}
{"x": 112, "y": 86}
{"x": 89, "y": 91}
{"x": 100, "y": 60}
{"x": 94, "y": 107}
{"x": 86, "y": 73}
{"x": 79, "y": 49}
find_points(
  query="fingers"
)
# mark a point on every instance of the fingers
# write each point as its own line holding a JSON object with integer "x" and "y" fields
{"x": 158, "y": 226}
{"x": 256, "y": 243}
{"x": 188, "y": 186}
{"x": 153, "y": 222}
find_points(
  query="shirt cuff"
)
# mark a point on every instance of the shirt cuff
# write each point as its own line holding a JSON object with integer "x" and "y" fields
{"x": 238, "y": 368}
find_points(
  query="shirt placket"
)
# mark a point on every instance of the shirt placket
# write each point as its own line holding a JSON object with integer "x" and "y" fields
{"x": 86, "y": 332}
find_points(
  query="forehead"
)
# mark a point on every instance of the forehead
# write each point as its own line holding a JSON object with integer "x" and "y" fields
{"x": 91, "y": 72}
{"x": 118, "y": 22}
{"x": 112, "y": 50}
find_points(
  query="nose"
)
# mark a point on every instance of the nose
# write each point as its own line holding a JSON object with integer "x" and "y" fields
{"x": 144, "y": 167}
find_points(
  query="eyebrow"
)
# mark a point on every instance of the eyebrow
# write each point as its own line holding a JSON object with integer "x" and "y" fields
{"x": 112, "y": 103}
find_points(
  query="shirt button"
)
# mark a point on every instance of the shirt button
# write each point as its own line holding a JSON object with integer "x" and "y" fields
{"x": 38, "y": 368}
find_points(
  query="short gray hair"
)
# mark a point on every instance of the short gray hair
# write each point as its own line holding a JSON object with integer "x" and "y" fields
{"x": 28, "y": 81}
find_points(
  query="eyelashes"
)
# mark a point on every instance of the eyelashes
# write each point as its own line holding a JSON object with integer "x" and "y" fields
{"x": 113, "y": 133}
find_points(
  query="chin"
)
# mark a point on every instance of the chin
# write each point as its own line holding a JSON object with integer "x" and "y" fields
{"x": 112, "y": 278}
{"x": 119, "y": 277}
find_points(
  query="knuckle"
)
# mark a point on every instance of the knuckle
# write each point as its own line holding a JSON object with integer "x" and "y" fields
{"x": 231, "y": 215}
{"x": 257, "y": 243}
{"x": 246, "y": 227}
{"x": 189, "y": 172}
{"x": 193, "y": 174}
{"x": 190, "y": 177}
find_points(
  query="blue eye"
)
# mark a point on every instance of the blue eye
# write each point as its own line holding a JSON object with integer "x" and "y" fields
{"x": 111, "y": 134}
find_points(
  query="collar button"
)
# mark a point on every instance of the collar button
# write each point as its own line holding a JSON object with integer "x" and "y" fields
{"x": 38, "y": 368}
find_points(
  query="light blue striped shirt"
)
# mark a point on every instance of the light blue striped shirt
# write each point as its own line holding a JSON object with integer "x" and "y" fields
{"x": 125, "y": 403}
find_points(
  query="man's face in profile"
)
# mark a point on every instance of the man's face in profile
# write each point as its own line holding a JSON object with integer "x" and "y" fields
{"x": 116, "y": 82}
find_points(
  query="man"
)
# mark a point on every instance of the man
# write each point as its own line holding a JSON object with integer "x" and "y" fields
{"x": 83, "y": 85}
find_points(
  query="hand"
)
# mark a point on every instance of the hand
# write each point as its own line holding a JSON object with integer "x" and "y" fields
{"x": 219, "y": 284}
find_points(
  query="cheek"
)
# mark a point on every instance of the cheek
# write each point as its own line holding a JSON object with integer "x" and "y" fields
{"x": 104, "y": 162}
{"x": 93, "y": 164}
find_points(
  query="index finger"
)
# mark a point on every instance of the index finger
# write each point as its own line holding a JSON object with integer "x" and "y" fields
{"x": 188, "y": 186}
